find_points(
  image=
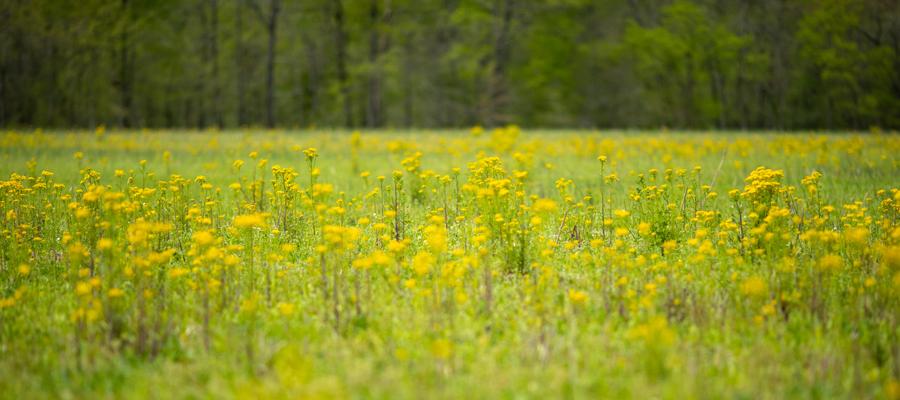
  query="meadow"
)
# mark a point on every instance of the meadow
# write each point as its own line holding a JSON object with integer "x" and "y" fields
{"x": 481, "y": 263}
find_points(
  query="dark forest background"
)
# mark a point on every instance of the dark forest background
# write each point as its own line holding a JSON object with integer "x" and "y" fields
{"x": 777, "y": 64}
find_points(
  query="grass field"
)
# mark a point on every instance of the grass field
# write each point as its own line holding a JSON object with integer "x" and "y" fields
{"x": 451, "y": 264}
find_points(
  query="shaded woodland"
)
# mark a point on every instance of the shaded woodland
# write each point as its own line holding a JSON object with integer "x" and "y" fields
{"x": 725, "y": 64}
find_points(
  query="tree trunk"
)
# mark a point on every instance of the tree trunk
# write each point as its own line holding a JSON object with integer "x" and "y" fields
{"x": 238, "y": 60}
{"x": 270, "y": 62}
{"x": 214, "y": 55}
{"x": 496, "y": 96}
{"x": 125, "y": 68}
{"x": 340, "y": 44}
{"x": 377, "y": 46}
{"x": 408, "y": 51}
{"x": 311, "y": 81}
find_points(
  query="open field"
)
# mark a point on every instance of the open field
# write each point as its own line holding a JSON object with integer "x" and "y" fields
{"x": 450, "y": 264}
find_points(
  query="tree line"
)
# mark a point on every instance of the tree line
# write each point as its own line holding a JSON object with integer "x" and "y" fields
{"x": 727, "y": 64}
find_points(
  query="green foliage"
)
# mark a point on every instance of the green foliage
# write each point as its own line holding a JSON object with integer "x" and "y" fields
{"x": 853, "y": 80}
{"x": 832, "y": 64}
{"x": 690, "y": 65}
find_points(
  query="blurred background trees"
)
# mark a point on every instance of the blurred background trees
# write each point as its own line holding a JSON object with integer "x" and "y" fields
{"x": 781, "y": 64}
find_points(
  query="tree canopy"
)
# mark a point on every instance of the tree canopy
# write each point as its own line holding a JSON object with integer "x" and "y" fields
{"x": 726, "y": 64}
